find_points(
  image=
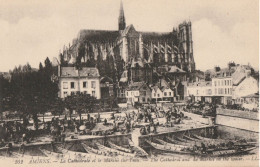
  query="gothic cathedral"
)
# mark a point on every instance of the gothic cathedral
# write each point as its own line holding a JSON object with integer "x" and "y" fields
{"x": 137, "y": 53}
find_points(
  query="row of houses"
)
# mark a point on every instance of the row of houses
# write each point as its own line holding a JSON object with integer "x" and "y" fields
{"x": 87, "y": 80}
{"x": 226, "y": 87}
{"x": 140, "y": 92}
{"x": 204, "y": 90}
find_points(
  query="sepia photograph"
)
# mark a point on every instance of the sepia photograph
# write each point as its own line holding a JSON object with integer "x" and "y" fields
{"x": 129, "y": 83}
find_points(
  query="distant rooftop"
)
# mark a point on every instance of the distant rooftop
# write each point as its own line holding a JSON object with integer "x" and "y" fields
{"x": 200, "y": 84}
{"x": 98, "y": 35}
{"x": 84, "y": 72}
{"x": 135, "y": 85}
{"x": 175, "y": 69}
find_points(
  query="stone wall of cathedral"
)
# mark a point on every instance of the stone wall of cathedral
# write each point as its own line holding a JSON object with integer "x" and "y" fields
{"x": 174, "y": 48}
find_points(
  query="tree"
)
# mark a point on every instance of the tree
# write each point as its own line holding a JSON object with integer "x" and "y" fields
{"x": 217, "y": 68}
{"x": 57, "y": 107}
{"x": 68, "y": 104}
{"x": 27, "y": 68}
{"x": 40, "y": 67}
{"x": 80, "y": 103}
{"x": 48, "y": 66}
{"x": 48, "y": 90}
{"x": 62, "y": 61}
{"x": 4, "y": 93}
{"x": 32, "y": 92}
{"x": 24, "y": 92}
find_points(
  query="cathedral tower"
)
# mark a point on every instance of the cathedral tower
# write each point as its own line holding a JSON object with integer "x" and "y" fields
{"x": 121, "y": 18}
{"x": 186, "y": 46}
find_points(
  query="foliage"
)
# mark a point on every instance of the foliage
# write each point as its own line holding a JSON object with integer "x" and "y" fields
{"x": 80, "y": 102}
{"x": 217, "y": 68}
{"x": 57, "y": 107}
{"x": 29, "y": 91}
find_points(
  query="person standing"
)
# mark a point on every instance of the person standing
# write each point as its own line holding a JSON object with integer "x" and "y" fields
{"x": 148, "y": 129}
{"x": 154, "y": 128}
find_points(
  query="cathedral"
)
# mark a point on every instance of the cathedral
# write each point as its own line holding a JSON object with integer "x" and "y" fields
{"x": 133, "y": 51}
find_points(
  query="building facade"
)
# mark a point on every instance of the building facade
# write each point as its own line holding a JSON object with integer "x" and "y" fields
{"x": 219, "y": 90}
{"x": 138, "y": 92}
{"x": 225, "y": 86}
{"x": 106, "y": 87}
{"x": 248, "y": 86}
{"x": 222, "y": 88}
{"x": 200, "y": 91}
{"x": 157, "y": 94}
{"x": 168, "y": 94}
{"x": 72, "y": 81}
{"x": 140, "y": 72}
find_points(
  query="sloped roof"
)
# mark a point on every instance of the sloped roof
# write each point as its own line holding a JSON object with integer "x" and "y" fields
{"x": 87, "y": 71}
{"x": 127, "y": 29}
{"x": 105, "y": 79}
{"x": 161, "y": 88}
{"x": 175, "y": 69}
{"x": 246, "y": 67}
{"x": 240, "y": 74}
{"x": 200, "y": 84}
{"x": 165, "y": 87}
{"x": 84, "y": 72}
{"x": 98, "y": 35}
{"x": 163, "y": 82}
{"x": 155, "y": 88}
{"x": 238, "y": 78}
{"x": 224, "y": 72}
{"x": 136, "y": 86}
{"x": 68, "y": 71}
{"x": 155, "y": 36}
{"x": 254, "y": 95}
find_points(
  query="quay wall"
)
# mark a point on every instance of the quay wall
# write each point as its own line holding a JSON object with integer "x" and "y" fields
{"x": 226, "y": 132}
{"x": 207, "y": 131}
{"x": 238, "y": 113}
{"x": 244, "y": 120}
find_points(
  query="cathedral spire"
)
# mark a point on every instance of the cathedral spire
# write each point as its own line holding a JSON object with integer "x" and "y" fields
{"x": 121, "y": 18}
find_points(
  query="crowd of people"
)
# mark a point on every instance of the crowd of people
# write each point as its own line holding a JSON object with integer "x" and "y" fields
{"x": 148, "y": 116}
{"x": 201, "y": 108}
{"x": 13, "y": 131}
{"x": 22, "y": 131}
{"x": 144, "y": 117}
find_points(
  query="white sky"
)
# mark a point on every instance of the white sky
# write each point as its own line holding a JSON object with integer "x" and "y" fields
{"x": 223, "y": 30}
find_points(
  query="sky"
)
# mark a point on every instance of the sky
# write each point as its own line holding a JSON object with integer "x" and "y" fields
{"x": 223, "y": 30}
